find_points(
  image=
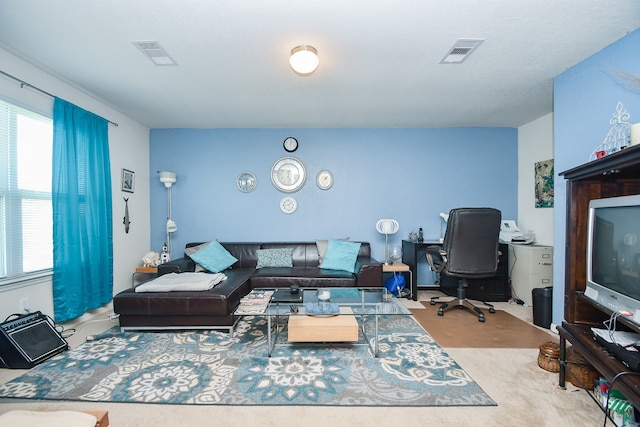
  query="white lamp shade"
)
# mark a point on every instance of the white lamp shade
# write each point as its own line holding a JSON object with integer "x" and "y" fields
{"x": 444, "y": 216}
{"x": 171, "y": 226}
{"x": 304, "y": 59}
{"x": 167, "y": 178}
{"x": 387, "y": 226}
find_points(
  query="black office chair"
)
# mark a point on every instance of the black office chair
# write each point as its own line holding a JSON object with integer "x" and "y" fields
{"x": 469, "y": 251}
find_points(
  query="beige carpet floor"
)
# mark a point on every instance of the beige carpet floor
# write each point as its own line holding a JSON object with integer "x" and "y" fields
{"x": 526, "y": 396}
{"x": 460, "y": 328}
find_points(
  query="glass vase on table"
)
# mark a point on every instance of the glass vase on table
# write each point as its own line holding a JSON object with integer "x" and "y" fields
{"x": 395, "y": 254}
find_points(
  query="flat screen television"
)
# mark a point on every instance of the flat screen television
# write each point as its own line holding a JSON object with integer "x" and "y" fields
{"x": 613, "y": 255}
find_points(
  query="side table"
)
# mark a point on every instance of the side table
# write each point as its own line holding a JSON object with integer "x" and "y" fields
{"x": 151, "y": 272}
{"x": 399, "y": 267}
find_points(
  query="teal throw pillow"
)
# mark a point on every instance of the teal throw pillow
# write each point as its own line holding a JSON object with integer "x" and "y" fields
{"x": 277, "y": 257}
{"x": 214, "y": 257}
{"x": 341, "y": 255}
{"x": 321, "y": 245}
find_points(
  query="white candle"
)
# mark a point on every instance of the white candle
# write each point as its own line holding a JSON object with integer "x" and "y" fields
{"x": 635, "y": 134}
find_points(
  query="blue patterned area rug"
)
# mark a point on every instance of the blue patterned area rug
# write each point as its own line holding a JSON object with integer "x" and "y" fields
{"x": 209, "y": 368}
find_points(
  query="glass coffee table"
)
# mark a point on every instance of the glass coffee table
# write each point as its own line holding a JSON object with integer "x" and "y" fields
{"x": 340, "y": 319}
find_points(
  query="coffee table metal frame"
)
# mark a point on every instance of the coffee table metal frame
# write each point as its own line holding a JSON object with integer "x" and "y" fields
{"x": 364, "y": 303}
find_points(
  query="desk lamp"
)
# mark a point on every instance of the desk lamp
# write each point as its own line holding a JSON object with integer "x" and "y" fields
{"x": 168, "y": 179}
{"x": 386, "y": 227}
{"x": 445, "y": 219}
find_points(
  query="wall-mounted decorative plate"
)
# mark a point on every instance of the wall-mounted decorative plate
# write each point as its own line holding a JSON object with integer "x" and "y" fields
{"x": 288, "y": 205}
{"x": 246, "y": 182}
{"x": 324, "y": 180}
{"x": 290, "y": 144}
{"x": 288, "y": 174}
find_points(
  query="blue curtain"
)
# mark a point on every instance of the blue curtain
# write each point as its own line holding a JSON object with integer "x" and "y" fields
{"x": 82, "y": 225}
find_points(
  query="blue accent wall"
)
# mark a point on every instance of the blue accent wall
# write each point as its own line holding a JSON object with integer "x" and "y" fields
{"x": 585, "y": 99}
{"x": 407, "y": 174}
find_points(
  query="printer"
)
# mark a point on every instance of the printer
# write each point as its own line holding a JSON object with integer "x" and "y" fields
{"x": 510, "y": 233}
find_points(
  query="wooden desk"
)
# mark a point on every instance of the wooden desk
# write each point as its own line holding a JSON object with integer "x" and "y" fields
{"x": 488, "y": 289}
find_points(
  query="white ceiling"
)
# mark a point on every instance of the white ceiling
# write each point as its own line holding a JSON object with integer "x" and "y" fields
{"x": 379, "y": 60}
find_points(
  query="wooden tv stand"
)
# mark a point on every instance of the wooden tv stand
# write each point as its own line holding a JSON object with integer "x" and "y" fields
{"x": 617, "y": 174}
{"x": 581, "y": 337}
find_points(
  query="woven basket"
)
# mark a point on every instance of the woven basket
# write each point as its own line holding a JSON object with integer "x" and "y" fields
{"x": 548, "y": 357}
{"x": 580, "y": 373}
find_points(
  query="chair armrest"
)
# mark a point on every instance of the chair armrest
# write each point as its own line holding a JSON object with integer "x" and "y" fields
{"x": 368, "y": 272}
{"x": 180, "y": 265}
{"x": 437, "y": 258}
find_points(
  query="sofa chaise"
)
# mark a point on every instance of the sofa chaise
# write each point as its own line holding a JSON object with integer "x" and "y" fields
{"x": 213, "y": 309}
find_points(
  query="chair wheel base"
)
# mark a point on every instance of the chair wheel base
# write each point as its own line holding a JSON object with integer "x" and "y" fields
{"x": 463, "y": 303}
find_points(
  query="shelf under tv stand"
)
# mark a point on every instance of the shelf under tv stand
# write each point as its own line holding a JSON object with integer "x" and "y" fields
{"x": 581, "y": 337}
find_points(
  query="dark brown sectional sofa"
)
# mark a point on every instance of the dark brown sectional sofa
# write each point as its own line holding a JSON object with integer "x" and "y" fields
{"x": 213, "y": 309}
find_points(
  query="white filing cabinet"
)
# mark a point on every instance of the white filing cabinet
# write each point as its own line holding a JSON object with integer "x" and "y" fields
{"x": 530, "y": 266}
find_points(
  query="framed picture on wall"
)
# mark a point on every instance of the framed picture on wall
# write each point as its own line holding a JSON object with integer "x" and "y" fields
{"x": 544, "y": 184}
{"x": 128, "y": 180}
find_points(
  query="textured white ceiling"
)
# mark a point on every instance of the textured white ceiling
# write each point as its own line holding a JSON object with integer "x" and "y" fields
{"x": 379, "y": 60}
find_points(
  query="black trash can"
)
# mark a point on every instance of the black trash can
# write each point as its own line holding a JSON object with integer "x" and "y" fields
{"x": 542, "y": 305}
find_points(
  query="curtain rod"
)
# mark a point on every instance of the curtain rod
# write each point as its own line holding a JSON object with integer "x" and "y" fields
{"x": 23, "y": 84}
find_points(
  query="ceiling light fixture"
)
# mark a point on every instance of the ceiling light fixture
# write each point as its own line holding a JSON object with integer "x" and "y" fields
{"x": 304, "y": 60}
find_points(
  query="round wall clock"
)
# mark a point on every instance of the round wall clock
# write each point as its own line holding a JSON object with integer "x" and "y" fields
{"x": 288, "y": 174}
{"x": 246, "y": 182}
{"x": 290, "y": 144}
{"x": 324, "y": 180}
{"x": 288, "y": 205}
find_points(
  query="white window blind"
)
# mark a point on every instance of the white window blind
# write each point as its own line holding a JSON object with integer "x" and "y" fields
{"x": 26, "y": 224}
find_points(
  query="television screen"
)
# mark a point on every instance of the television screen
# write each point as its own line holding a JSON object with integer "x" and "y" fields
{"x": 613, "y": 253}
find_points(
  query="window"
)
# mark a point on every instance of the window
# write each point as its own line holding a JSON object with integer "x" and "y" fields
{"x": 26, "y": 220}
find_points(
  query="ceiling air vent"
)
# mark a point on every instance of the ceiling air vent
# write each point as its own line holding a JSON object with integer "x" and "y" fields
{"x": 155, "y": 52}
{"x": 461, "y": 51}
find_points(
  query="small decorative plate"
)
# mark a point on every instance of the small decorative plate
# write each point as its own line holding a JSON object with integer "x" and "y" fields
{"x": 288, "y": 174}
{"x": 288, "y": 205}
{"x": 246, "y": 182}
{"x": 324, "y": 180}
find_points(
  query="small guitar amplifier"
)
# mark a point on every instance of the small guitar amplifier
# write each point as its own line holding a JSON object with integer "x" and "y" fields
{"x": 29, "y": 340}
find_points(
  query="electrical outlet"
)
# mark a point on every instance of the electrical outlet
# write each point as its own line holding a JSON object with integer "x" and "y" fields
{"x": 24, "y": 305}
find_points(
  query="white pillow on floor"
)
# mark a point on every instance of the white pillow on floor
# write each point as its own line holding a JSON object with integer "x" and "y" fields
{"x": 18, "y": 418}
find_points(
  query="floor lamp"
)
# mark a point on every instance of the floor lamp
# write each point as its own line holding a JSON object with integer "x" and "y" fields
{"x": 168, "y": 179}
{"x": 386, "y": 227}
